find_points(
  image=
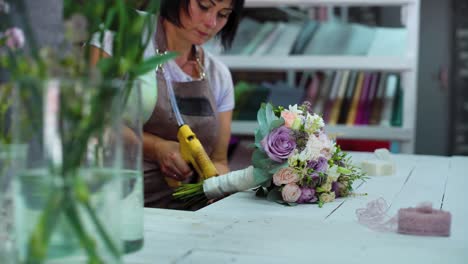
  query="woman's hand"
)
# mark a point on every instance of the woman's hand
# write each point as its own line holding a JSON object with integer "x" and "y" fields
{"x": 167, "y": 154}
{"x": 171, "y": 162}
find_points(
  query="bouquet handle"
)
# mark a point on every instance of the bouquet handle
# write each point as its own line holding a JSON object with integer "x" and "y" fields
{"x": 231, "y": 182}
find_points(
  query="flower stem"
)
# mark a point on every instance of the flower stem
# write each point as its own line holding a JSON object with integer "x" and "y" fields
{"x": 38, "y": 244}
{"x": 86, "y": 242}
{"x": 102, "y": 232}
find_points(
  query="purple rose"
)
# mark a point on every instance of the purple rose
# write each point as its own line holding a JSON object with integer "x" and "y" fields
{"x": 279, "y": 144}
{"x": 320, "y": 165}
{"x": 307, "y": 196}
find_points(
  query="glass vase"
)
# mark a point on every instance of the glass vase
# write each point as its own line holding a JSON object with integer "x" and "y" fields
{"x": 132, "y": 177}
{"x": 67, "y": 194}
{"x": 11, "y": 158}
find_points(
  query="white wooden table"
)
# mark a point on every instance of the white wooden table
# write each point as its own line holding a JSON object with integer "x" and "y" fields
{"x": 244, "y": 229}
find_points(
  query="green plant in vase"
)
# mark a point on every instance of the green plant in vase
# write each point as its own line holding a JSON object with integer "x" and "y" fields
{"x": 77, "y": 123}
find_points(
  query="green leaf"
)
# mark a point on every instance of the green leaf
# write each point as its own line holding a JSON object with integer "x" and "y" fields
{"x": 279, "y": 167}
{"x": 151, "y": 63}
{"x": 274, "y": 195}
{"x": 276, "y": 123}
{"x": 320, "y": 190}
{"x": 262, "y": 161}
{"x": 270, "y": 115}
{"x": 261, "y": 192}
{"x": 262, "y": 121}
{"x": 344, "y": 171}
{"x": 261, "y": 176}
{"x": 106, "y": 65}
{"x": 258, "y": 138}
{"x": 267, "y": 184}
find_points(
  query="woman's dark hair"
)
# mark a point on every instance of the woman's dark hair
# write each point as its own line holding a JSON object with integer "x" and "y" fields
{"x": 170, "y": 10}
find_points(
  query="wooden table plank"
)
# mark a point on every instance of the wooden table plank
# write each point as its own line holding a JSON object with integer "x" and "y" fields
{"x": 426, "y": 184}
{"x": 254, "y": 239}
{"x": 246, "y": 229}
{"x": 386, "y": 187}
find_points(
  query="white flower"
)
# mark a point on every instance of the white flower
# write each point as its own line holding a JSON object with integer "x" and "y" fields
{"x": 333, "y": 171}
{"x": 294, "y": 109}
{"x": 313, "y": 123}
{"x": 333, "y": 149}
{"x": 327, "y": 197}
{"x": 331, "y": 179}
{"x": 313, "y": 149}
{"x": 14, "y": 38}
{"x": 295, "y": 159}
{"x": 327, "y": 145}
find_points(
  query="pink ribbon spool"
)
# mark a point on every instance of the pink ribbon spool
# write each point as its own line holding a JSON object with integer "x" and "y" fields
{"x": 424, "y": 221}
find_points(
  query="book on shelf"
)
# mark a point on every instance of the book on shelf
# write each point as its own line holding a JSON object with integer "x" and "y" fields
{"x": 359, "y": 42}
{"x": 316, "y": 38}
{"x": 348, "y": 97}
{"x": 388, "y": 42}
{"x": 397, "y": 113}
{"x": 306, "y": 34}
{"x": 377, "y": 103}
{"x": 312, "y": 88}
{"x": 351, "y": 118}
{"x": 332, "y": 96}
{"x": 370, "y": 98}
{"x": 362, "y": 98}
{"x": 304, "y": 79}
{"x": 336, "y": 38}
{"x": 260, "y": 36}
{"x": 265, "y": 46}
{"x": 337, "y": 105}
{"x": 324, "y": 91}
{"x": 390, "y": 92}
{"x": 246, "y": 32}
{"x": 284, "y": 44}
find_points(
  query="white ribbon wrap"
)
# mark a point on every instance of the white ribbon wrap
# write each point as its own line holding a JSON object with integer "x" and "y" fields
{"x": 231, "y": 182}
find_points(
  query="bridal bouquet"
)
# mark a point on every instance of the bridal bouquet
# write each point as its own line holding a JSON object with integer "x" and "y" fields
{"x": 294, "y": 162}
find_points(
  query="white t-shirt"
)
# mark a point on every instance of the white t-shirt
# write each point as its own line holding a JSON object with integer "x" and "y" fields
{"x": 217, "y": 74}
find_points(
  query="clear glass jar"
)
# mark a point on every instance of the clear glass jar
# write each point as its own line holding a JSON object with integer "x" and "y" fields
{"x": 67, "y": 195}
{"x": 132, "y": 175}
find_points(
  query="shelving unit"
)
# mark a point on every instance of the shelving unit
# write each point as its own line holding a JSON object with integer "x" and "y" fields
{"x": 459, "y": 96}
{"x": 407, "y": 65}
{"x": 307, "y": 3}
{"x": 298, "y": 62}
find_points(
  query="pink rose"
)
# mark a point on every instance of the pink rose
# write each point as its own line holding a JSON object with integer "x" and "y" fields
{"x": 285, "y": 176}
{"x": 288, "y": 117}
{"x": 291, "y": 193}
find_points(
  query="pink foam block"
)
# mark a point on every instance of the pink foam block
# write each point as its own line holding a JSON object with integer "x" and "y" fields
{"x": 424, "y": 221}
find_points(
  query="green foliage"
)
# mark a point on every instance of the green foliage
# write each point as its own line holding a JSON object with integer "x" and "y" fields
{"x": 274, "y": 195}
{"x": 267, "y": 121}
{"x": 264, "y": 167}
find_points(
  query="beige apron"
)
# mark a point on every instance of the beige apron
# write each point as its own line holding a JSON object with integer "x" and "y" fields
{"x": 198, "y": 109}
